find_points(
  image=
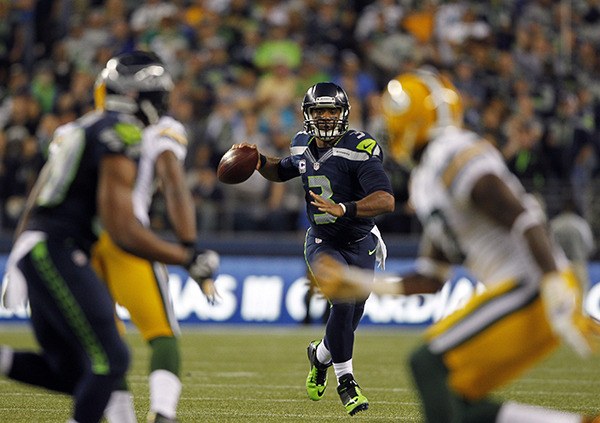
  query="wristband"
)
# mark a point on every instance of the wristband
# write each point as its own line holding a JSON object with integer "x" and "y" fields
{"x": 349, "y": 208}
{"x": 343, "y": 208}
{"x": 263, "y": 160}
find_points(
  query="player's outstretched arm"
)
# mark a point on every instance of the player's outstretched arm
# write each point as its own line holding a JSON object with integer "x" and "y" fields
{"x": 559, "y": 289}
{"x": 178, "y": 198}
{"x": 338, "y": 281}
{"x": 115, "y": 207}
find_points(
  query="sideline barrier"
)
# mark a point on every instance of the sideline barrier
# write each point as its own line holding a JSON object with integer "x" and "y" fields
{"x": 272, "y": 290}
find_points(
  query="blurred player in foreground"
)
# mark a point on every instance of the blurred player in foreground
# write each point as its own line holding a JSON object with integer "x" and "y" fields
{"x": 474, "y": 212}
{"x": 88, "y": 180}
{"x": 139, "y": 285}
{"x": 346, "y": 187}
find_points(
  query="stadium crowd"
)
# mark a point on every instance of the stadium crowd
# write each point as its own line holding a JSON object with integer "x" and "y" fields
{"x": 529, "y": 72}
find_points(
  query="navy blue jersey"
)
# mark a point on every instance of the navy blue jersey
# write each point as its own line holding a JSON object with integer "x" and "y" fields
{"x": 66, "y": 204}
{"x": 348, "y": 171}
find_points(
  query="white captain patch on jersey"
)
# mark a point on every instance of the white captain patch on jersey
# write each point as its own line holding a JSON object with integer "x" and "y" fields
{"x": 440, "y": 190}
{"x": 167, "y": 134}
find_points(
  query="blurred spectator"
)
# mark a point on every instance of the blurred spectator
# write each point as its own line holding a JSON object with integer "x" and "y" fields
{"x": 220, "y": 123}
{"x": 390, "y": 52}
{"x": 472, "y": 91}
{"x": 285, "y": 203}
{"x": 121, "y": 37}
{"x": 379, "y": 17}
{"x": 276, "y": 93}
{"x": 169, "y": 40}
{"x": 562, "y": 135}
{"x": 43, "y": 87}
{"x": 21, "y": 164}
{"x": 278, "y": 48}
{"x": 149, "y": 14}
{"x": 331, "y": 25}
{"x": 523, "y": 152}
{"x": 351, "y": 74}
{"x": 529, "y": 72}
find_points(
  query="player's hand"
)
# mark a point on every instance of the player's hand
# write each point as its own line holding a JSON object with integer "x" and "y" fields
{"x": 561, "y": 295}
{"x": 203, "y": 265}
{"x": 326, "y": 206}
{"x": 208, "y": 288}
{"x": 245, "y": 144}
{"x": 338, "y": 281}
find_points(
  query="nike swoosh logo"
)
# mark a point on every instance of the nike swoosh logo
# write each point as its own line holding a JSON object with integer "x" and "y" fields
{"x": 320, "y": 392}
{"x": 372, "y": 252}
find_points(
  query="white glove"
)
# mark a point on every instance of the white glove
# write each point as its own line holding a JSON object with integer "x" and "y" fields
{"x": 562, "y": 300}
{"x": 203, "y": 265}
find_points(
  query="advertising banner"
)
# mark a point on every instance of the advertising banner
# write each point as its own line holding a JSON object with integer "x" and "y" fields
{"x": 273, "y": 290}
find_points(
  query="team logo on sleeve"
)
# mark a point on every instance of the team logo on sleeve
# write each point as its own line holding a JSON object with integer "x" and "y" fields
{"x": 128, "y": 133}
{"x": 367, "y": 145}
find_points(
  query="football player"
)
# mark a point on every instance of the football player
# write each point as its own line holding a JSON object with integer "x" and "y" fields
{"x": 88, "y": 180}
{"x": 346, "y": 187}
{"x": 475, "y": 213}
{"x": 148, "y": 300}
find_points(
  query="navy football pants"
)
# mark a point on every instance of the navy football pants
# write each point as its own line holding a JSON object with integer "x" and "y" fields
{"x": 73, "y": 320}
{"x": 344, "y": 315}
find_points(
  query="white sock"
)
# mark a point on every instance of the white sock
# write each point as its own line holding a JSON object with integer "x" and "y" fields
{"x": 341, "y": 369}
{"x": 120, "y": 408}
{"x": 165, "y": 389}
{"x": 6, "y": 359}
{"x": 512, "y": 412}
{"x": 323, "y": 354}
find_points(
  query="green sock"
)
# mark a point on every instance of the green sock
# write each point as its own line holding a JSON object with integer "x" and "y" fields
{"x": 440, "y": 403}
{"x": 165, "y": 354}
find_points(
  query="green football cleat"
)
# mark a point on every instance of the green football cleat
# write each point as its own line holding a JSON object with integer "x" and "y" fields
{"x": 351, "y": 395}
{"x": 316, "y": 381}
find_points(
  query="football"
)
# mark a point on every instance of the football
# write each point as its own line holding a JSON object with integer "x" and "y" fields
{"x": 237, "y": 165}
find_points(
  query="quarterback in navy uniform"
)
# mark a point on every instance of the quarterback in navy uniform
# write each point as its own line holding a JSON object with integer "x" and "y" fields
{"x": 346, "y": 187}
{"x": 87, "y": 183}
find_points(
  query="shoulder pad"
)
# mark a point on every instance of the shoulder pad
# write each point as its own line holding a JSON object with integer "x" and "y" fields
{"x": 301, "y": 139}
{"x": 119, "y": 134}
{"x": 361, "y": 141}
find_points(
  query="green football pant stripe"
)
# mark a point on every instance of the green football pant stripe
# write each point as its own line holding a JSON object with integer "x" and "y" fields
{"x": 70, "y": 309}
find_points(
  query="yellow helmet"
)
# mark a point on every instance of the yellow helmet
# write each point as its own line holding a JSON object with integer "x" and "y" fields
{"x": 416, "y": 105}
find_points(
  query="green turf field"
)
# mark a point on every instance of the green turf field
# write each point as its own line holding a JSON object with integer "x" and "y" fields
{"x": 256, "y": 374}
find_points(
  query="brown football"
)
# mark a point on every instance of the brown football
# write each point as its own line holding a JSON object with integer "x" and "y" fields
{"x": 237, "y": 165}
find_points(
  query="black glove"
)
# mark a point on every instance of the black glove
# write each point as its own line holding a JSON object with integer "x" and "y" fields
{"x": 203, "y": 265}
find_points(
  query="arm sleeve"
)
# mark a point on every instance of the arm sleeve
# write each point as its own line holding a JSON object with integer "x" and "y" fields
{"x": 287, "y": 169}
{"x": 373, "y": 178}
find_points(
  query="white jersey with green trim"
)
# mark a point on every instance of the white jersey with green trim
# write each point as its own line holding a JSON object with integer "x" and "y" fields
{"x": 440, "y": 191}
{"x": 167, "y": 134}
